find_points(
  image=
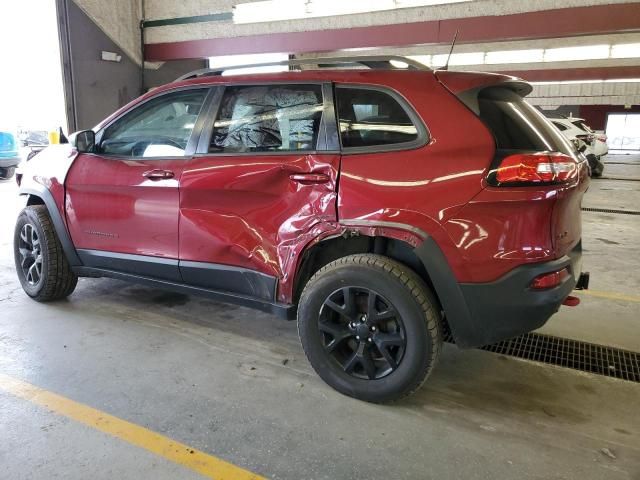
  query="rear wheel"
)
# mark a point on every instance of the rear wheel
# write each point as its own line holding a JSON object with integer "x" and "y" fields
{"x": 7, "y": 172}
{"x": 596, "y": 165}
{"x": 370, "y": 327}
{"x": 42, "y": 267}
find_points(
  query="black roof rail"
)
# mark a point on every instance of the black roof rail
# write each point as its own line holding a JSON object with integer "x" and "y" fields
{"x": 373, "y": 62}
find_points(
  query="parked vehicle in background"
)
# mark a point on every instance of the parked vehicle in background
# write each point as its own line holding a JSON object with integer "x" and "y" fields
{"x": 576, "y": 130}
{"x": 30, "y": 137}
{"x": 33, "y": 140}
{"x": 383, "y": 208}
{"x": 9, "y": 154}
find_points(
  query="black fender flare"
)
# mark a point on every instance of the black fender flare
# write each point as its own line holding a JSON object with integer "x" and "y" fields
{"x": 449, "y": 293}
{"x": 58, "y": 223}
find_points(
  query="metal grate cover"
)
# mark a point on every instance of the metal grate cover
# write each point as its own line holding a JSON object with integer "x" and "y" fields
{"x": 563, "y": 352}
{"x": 607, "y": 210}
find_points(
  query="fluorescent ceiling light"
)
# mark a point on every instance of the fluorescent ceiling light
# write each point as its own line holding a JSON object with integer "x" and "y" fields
{"x": 399, "y": 64}
{"x": 514, "y": 56}
{"x": 250, "y": 59}
{"x": 424, "y": 3}
{"x": 622, "y": 80}
{"x": 575, "y": 82}
{"x": 423, "y": 59}
{"x": 588, "y": 52}
{"x": 474, "y": 58}
{"x": 565, "y": 82}
{"x": 276, "y": 10}
{"x": 626, "y": 50}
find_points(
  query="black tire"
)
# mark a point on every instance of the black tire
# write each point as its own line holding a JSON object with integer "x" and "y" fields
{"x": 7, "y": 172}
{"x": 597, "y": 171}
{"x": 412, "y": 317}
{"x": 596, "y": 166}
{"x": 54, "y": 279}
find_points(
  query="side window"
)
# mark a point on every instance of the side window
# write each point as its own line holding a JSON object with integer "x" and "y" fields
{"x": 268, "y": 118}
{"x": 372, "y": 118}
{"x": 160, "y": 127}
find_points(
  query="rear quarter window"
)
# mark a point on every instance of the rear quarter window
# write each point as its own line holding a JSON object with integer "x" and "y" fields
{"x": 372, "y": 119}
{"x": 516, "y": 125}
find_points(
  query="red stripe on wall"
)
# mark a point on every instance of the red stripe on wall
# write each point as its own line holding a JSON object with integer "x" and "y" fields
{"x": 601, "y": 19}
{"x": 596, "y": 115}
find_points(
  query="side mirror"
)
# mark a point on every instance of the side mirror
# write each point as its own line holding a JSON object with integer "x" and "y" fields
{"x": 84, "y": 141}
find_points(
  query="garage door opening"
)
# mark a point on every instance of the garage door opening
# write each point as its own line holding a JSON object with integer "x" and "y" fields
{"x": 31, "y": 89}
{"x": 623, "y": 131}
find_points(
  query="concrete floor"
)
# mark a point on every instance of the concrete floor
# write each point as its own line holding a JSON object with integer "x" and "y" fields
{"x": 235, "y": 383}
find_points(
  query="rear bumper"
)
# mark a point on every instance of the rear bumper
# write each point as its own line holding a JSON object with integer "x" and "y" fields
{"x": 508, "y": 307}
{"x": 484, "y": 313}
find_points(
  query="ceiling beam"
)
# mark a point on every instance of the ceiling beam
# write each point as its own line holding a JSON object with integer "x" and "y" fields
{"x": 566, "y": 22}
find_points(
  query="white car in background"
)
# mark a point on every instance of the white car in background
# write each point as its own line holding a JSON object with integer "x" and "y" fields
{"x": 576, "y": 130}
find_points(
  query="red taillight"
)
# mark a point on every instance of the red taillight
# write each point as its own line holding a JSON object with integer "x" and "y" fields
{"x": 536, "y": 168}
{"x": 549, "y": 280}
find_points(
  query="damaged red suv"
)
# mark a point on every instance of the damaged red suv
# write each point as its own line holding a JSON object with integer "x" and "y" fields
{"x": 380, "y": 207}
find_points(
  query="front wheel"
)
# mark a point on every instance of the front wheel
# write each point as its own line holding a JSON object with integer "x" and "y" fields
{"x": 42, "y": 267}
{"x": 370, "y": 327}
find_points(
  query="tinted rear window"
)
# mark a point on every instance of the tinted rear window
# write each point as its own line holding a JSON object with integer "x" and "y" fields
{"x": 582, "y": 126}
{"x": 516, "y": 125}
{"x": 370, "y": 118}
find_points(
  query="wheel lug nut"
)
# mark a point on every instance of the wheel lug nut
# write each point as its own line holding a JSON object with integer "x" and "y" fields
{"x": 363, "y": 318}
{"x": 369, "y": 340}
{"x": 357, "y": 337}
{"x": 373, "y": 328}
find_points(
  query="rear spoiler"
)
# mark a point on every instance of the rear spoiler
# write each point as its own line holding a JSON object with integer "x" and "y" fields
{"x": 467, "y": 85}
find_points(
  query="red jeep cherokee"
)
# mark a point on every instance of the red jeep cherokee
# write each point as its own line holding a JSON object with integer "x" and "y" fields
{"x": 380, "y": 207}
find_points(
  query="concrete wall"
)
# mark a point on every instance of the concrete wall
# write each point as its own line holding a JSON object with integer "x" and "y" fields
{"x": 586, "y": 93}
{"x": 169, "y": 71}
{"x": 119, "y": 20}
{"x": 95, "y": 88}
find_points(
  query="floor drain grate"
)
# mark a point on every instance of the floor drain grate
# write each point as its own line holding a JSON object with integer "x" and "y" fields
{"x": 607, "y": 210}
{"x": 563, "y": 352}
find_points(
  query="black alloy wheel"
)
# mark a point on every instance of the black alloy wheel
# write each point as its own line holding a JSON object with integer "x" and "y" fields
{"x": 30, "y": 250}
{"x": 363, "y": 332}
{"x": 370, "y": 327}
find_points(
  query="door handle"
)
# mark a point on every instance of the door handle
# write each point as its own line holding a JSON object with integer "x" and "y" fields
{"x": 309, "y": 178}
{"x": 158, "y": 174}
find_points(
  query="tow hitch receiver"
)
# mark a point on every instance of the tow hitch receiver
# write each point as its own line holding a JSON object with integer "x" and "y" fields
{"x": 571, "y": 301}
{"x": 583, "y": 281}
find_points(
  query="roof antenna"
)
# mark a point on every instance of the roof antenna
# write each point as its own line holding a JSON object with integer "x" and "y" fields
{"x": 453, "y": 44}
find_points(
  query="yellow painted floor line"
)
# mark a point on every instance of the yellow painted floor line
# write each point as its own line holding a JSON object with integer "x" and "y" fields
{"x": 177, "y": 452}
{"x": 611, "y": 296}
